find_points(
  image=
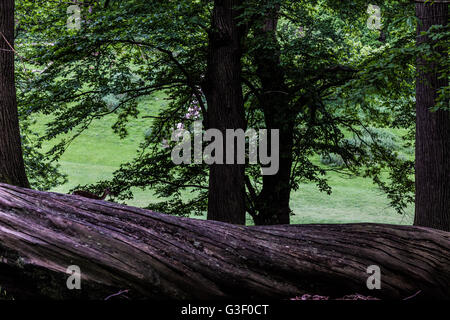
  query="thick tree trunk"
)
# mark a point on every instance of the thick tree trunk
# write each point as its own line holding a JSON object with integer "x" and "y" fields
{"x": 159, "y": 256}
{"x": 432, "y": 132}
{"x": 223, "y": 90}
{"x": 272, "y": 204}
{"x": 12, "y": 168}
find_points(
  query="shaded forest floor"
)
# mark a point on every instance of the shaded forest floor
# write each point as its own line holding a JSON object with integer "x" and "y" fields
{"x": 98, "y": 152}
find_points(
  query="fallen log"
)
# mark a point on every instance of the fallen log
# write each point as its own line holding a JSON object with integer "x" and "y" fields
{"x": 150, "y": 255}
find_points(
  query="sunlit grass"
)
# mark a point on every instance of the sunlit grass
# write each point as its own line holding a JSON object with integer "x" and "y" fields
{"x": 98, "y": 152}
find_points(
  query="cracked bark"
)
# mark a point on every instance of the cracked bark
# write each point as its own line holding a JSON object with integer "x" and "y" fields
{"x": 160, "y": 256}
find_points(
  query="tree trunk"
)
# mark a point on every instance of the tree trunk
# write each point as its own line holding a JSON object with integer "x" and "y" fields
{"x": 223, "y": 90}
{"x": 272, "y": 204}
{"x": 159, "y": 256}
{"x": 12, "y": 169}
{"x": 432, "y": 131}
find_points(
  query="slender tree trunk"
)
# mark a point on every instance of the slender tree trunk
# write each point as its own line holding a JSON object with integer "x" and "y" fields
{"x": 12, "y": 168}
{"x": 272, "y": 204}
{"x": 432, "y": 131}
{"x": 157, "y": 256}
{"x": 223, "y": 91}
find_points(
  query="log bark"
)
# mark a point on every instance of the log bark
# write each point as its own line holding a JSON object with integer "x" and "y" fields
{"x": 158, "y": 256}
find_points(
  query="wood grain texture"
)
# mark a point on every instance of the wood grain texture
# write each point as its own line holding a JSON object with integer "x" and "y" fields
{"x": 156, "y": 256}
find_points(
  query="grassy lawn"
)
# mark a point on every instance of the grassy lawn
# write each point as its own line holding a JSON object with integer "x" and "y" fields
{"x": 97, "y": 153}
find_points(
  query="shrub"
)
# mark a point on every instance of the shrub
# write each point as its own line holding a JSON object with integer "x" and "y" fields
{"x": 371, "y": 137}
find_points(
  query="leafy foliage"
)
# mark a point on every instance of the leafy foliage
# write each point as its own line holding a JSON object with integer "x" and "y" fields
{"x": 341, "y": 78}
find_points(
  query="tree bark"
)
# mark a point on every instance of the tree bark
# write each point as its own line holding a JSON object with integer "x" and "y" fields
{"x": 12, "y": 169}
{"x": 223, "y": 90}
{"x": 272, "y": 204}
{"x": 432, "y": 131}
{"x": 158, "y": 256}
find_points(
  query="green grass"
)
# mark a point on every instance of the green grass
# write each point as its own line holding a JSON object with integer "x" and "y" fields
{"x": 97, "y": 153}
{"x": 352, "y": 200}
